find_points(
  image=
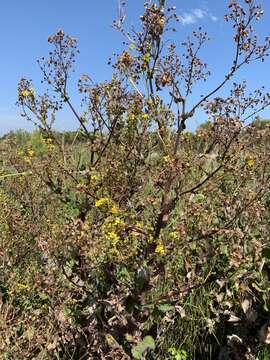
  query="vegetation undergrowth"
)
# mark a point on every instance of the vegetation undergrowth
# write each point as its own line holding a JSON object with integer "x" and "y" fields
{"x": 132, "y": 238}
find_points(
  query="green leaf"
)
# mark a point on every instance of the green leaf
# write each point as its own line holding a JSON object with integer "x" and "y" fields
{"x": 43, "y": 296}
{"x": 67, "y": 311}
{"x": 178, "y": 354}
{"x": 165, "y": 307}
{"x": 19, "y": 330}
{"x": 265, "y": 302}
{"x": 200, "y": 197}
{"x": 148, "y": 343}
{"x": 266, "y": 253}
{"x": 137, "y": 352}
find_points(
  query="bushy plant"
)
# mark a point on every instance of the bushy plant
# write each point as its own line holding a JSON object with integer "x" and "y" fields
{"x": 131, "y": 237}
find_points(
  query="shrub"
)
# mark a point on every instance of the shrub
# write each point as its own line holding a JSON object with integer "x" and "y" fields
{"x": 135, "y": 238}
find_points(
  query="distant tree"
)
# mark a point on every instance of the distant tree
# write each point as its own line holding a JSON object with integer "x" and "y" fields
{"x": 260, "y": 123}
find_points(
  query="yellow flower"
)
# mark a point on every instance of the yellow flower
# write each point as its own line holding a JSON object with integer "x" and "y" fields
{"x": 49, "y": 143}
{"x": 167, "y": 159}
{"x": 118, "y": 221}
{"x": 250, "y": 162}
{"x": 131, "y": 117}
{"x": 85, "y": 227}
{"x": 160, "y": 249}
{"x": 113, "y": 237}
{"x": 139, "y": 224}
{"x": 27, "y": 159}
{"x": 146, "y": 58}
{"x": 114, "y": 210}
{"x": 101, "y": 202}
{"x": 22, "y": 286}
{"x": 145, "y": 116}
{"x": 29, "y": 92}
{"x": 31, "y": 152}
{"x": 25, "y": 93}
{"x": 94, "y": 178}
{"x": 173, "y": 234}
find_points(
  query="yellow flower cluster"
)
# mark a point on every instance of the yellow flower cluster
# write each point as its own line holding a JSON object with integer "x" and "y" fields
{"x": 173, "y": 234}
{"x": 31, "y": 152}
{"x": 250, "y": 162}
{"x": 102, "y": 201}
{"x": 132, "y": 117}
{"x": 112, "y": 227}
{"x": 27, "y": 155}
{"x": 20, "y": 286}
{"x": 113, "y": 223}
{"x": 145, "y": 116}
{"x": 94, "y": 178}
{"x": 160, "y": 249}
{"x": 106, "y": 201}
{"x": 167, "y": 159}
{"x": 113, "y": 237}
{"x": 28, "y": 92}
{"x": 114, "y": 210}
{"x": 49, "y": 144}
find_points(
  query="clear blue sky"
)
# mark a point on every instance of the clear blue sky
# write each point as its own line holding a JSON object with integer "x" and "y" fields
{"x": 26, "y": 25}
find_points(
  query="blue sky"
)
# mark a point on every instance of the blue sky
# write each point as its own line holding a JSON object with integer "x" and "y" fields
{"x": 26, "y": 25}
